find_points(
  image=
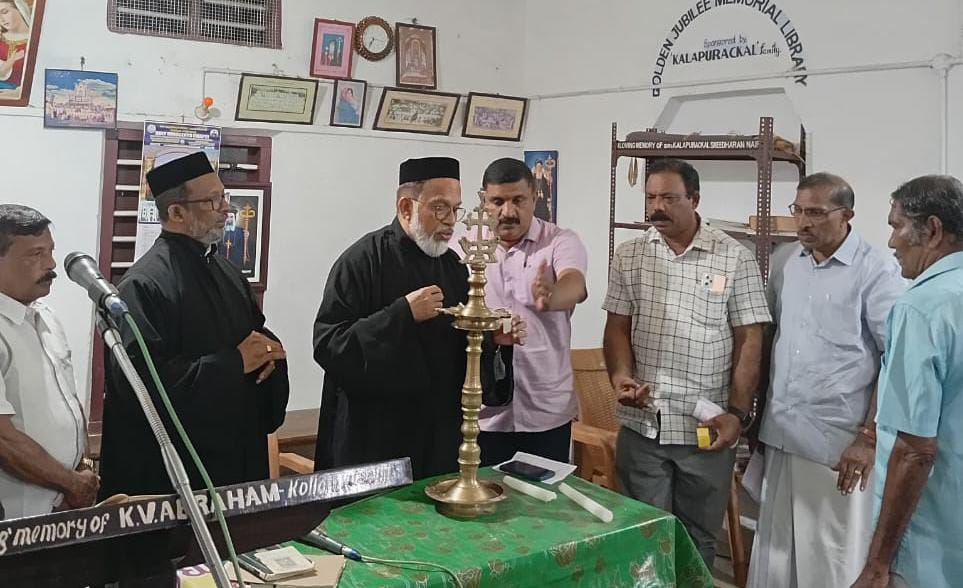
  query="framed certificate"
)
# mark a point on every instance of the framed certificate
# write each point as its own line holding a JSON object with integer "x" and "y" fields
{"x": 276, "y": 99}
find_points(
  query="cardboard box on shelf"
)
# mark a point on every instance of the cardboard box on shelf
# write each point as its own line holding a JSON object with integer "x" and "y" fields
{"x": 777, "y": 224}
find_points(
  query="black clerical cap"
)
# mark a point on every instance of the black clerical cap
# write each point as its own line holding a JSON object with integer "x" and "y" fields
{"x": 174, "y": 173}
{"x": 428, "y": 168}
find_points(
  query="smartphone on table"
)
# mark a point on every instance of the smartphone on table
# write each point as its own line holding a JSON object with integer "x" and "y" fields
{"x": 527, "y": 471}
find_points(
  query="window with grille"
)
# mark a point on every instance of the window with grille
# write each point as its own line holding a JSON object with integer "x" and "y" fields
{"x": 255, "y": 23}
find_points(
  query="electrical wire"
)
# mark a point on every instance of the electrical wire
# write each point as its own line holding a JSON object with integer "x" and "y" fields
{"x": 400, "y": 563}
{"x": 219, "y": 513}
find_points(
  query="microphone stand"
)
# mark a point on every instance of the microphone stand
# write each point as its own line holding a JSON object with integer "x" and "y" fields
{"x": 172, "y": 461}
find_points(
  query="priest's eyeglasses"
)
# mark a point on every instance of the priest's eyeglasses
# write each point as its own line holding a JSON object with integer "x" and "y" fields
{"x": 442, "y": 210}
{"x": 215, "y": 203}
{"x": 815, "y": 214}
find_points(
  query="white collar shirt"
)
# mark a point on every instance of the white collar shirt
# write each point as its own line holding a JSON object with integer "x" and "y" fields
{"x": 39, "y": 394}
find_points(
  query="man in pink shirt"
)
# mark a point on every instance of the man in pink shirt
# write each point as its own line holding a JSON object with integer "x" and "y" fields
{"x": 540, "y": 275}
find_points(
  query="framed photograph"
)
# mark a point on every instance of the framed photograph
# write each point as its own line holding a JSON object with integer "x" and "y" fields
{"x": 490, "y": 116}
{"x": 544, "y": 166}
{"x": 20, "y": 23}
{"x": 276, "y": 99}
{"x": 246, "y": 232}
{"x": 407, "y": 111}
{"x": 415, "y": 56}
{"x": 79, "y": 99}
{"x": 331, "y": 50}
{"x": 347, "y": 103}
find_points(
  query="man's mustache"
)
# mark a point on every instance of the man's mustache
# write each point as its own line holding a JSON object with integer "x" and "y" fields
{"x": 47, "y": 277}
{"x": 659, "y": 216}
{"x": 508, "y": 221}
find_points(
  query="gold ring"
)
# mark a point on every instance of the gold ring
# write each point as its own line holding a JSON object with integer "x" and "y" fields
{"x": 858, "y": 472}
{"x": 269, "y": 349}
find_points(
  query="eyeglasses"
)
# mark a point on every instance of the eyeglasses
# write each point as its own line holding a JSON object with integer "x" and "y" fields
{"x": 215, "y": 203}
{"x": 811, "y": 213}
{"x": 442, "y": 211}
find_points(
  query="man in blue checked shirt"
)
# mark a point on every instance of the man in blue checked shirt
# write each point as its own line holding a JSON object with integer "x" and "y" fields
{"x": 919, "y": 456}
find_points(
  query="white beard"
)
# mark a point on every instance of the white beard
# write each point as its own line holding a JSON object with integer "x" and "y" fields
{"x": 425, "y": 241}
{"x": 210, "y": 237}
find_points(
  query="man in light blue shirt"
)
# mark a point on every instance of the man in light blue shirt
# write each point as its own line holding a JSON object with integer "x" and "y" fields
{"x": 829, "y": 300}
{"x": 919, "y": 489}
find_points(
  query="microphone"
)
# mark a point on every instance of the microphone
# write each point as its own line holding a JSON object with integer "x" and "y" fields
{"x": 82, "y": 269}
{"x": 319, "y": 539}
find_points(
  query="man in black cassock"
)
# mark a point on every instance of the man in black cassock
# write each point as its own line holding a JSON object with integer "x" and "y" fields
{"x": 224, "y": 371}
{"x": 394, "y": 368}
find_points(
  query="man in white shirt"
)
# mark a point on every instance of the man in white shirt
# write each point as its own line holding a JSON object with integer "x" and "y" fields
{"x": 830, "y": 299}
{"x": 42, "y": 426}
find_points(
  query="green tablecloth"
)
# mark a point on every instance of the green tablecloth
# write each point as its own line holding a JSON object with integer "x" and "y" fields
{"x": 525, "y": 543}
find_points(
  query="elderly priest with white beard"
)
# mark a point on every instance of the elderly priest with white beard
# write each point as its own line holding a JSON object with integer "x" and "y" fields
{"x": 394, "y": 367}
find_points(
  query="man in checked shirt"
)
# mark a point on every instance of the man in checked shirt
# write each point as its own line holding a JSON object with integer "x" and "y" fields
{"x": 686, "y": 309}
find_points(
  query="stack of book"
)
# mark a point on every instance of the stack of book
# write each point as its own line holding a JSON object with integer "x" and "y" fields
{"x": 277, "y": 566}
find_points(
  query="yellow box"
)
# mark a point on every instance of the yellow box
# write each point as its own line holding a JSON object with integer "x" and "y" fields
{"x": 702, "y": 434}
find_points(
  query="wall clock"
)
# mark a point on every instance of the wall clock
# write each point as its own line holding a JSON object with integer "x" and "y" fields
{"x": 373, "y": 38}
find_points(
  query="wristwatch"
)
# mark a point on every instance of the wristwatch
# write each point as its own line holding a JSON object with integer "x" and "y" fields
{"x": 745, "y": 418}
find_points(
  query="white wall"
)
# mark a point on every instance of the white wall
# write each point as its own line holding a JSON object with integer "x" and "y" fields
{"x": 875, "y": 129}
{"x": 330, "y": 185}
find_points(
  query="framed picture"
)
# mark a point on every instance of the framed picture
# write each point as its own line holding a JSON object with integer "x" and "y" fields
{"x": 489, "y": 116}
{"x": 276, "y": 99}
{"x": 347, "y": 103}
{"x": 246, "y": 232}
{"x": 430, "y": 113}
{"x": 415, "y": 56}
{"x": 20, "y": 24}
{"x": 544, "y": 166}
{"x": 331, "y": 50}
{"x": 79, "y": 99}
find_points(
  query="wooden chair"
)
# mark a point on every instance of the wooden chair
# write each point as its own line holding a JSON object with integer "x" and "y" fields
{"x": 737, "y": 548}
{"x": 290, "y": 461}
{"x": 595, "y": 431}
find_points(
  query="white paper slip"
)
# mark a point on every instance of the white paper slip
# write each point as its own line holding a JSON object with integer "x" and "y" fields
{"x": 507, "y": 325}
{"x": 560, "y": 470}
{"x": 705, "y": 410}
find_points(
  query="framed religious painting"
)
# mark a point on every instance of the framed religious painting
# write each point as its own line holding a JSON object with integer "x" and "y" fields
{"x": 246, "y": 232}
{"x": 20, "y": 24}
{"x": 347, "y": 103}
{"x": 489, "y": 116}
{"x": 430, "y": 113}
{"x": 263, "y": 98}
{"x": 544, "y": 166}
{"x": 332, "y": 49}
{"x": 415, "y": 56}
